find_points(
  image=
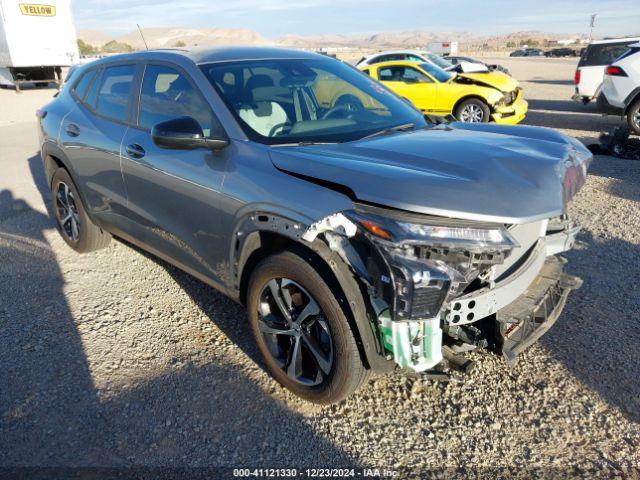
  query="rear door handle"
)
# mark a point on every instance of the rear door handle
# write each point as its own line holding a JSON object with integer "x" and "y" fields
{"x": 135, "y": 151}
{"x": 73, "y": 130}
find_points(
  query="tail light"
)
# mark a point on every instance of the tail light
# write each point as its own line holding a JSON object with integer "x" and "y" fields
{"x": 614, "y": 71}
{"x": 576, "y": 77}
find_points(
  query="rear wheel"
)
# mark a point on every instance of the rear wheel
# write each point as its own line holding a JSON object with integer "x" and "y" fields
{"x": 633, "y": 117}
{"x": 472, "y": 110}
{"x": 301, "y": 330}
{"x": 73, "y": 223}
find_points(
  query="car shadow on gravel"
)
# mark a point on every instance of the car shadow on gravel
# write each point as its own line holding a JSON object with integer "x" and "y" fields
{"x": 191, "y": 415}
{"x": 597, "y": 336}
{"x": 625, "y": 172}
{"x": 229, "y": 316}
{"x": 565, "y": 114}
{"x": 550, "y": 82}
{"x": 48, "y": 402}
{"x": 212, "y": 415}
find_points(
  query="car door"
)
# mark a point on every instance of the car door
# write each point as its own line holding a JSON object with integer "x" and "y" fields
{"x": 412, "y": 84}
{"x": 173, "y": 194}
{"x": 91, "y": 136}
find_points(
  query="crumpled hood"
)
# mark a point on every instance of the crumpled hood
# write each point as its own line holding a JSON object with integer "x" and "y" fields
{"x": 498, "y": 80}
{"x": 485, "y": 172}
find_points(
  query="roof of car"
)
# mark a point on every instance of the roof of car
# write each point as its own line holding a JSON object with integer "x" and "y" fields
{"x": 201, "y": 55}
{"x": 392, "y": 52}
{"x": 614, "y": 40}
{"x": 391, "y": 63}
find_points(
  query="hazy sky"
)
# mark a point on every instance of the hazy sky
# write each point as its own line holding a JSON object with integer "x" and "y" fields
{"x": 274, "y": 18}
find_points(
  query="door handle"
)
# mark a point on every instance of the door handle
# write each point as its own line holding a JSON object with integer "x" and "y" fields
{"x": 72, "y": 130}
{"x": 135, "y": 151}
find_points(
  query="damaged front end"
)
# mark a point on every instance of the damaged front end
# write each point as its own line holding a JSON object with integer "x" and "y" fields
{"x": 440, "y": 286}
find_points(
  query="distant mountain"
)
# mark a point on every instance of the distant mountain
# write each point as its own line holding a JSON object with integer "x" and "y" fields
{"x": 172, "y": 37}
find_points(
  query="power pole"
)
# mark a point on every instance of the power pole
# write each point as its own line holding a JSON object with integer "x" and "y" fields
{"x": 591, "y": 25}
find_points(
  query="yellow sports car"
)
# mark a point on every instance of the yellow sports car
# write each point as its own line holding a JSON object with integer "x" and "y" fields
{"x": 470, "y": 97}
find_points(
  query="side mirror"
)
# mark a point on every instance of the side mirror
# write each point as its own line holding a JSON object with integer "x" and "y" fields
{"x": 184, "y": 133}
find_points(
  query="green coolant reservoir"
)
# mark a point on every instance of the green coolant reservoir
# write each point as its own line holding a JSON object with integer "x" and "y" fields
{"x": 414, "y": 344}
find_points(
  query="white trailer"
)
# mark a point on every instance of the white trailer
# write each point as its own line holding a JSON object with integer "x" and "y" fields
{"x": 36, "y": 41}
{"x": 443, "y": 48}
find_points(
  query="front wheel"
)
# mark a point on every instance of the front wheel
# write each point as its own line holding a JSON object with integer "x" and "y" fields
{"x": 301, "y": 330}
{"x": 633, "y": 117}
{"x": 472, "y": 110}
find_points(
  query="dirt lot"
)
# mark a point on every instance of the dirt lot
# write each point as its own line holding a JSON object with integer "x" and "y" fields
{"x": 117, "y": 359}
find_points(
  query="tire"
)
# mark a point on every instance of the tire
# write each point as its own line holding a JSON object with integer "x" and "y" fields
{"x": 337, "y": 369}
{"x": 471, "y": 109}
{"x": 77, "y": 229}
{"x": 633, "y": 117}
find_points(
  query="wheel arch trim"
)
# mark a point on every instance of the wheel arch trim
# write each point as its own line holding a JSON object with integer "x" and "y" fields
{"x": 256, "y": 241}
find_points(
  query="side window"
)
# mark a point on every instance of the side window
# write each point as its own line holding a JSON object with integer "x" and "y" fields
{"x": 92, "y": 96}
{"x": 402, "y": 74}
{"x": 166, "y": 94}
{"x": 115, "y": 92}
{"x": 390, "y": 74}
{"x": 414, "y": 58}
{"x": 81, "y": 86}
{"x": 411, "y": 75}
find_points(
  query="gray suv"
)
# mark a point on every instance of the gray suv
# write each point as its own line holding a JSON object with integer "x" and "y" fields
{"x": 361, "y": 236}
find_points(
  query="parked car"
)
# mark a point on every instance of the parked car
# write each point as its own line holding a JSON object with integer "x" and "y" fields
{"x": 470, "y": 97}
{"x": 457, "y": 60}
{"x": 527, "y": 52}
{"x": 560, "y": 52}
{"x": 590, "y": 71}
{"x": 620, "y": 93}
{"x": 422, "y": 56}
{"x": 361, "y": 237}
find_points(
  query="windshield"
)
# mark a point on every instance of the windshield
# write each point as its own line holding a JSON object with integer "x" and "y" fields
{"x": 439, "y": 61}
{"x": 436, "y": 72}
{"x": 307, "y": 100}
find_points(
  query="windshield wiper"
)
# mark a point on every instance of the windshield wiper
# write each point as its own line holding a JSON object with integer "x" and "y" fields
{"x": 398, "y": 128}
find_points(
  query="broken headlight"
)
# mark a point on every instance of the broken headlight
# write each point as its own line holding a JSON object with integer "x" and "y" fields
{"x": 431, "y": 260}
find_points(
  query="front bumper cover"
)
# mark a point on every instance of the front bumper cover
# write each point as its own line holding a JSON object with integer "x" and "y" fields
{"x": 511, "y": 114}
{"x": 526, "y": 319}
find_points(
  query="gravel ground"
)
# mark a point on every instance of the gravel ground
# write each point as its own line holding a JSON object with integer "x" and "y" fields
{"x": 116, "y": 359}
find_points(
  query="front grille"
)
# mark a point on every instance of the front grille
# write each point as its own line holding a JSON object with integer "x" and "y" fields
{"x": 474, "y": 260}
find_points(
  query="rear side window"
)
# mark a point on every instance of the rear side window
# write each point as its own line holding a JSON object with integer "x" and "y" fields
{"x": 603, "y": 53}
{"x": 83, "y": 83}
{"x": 92, "y": 96}
{"x": 115, "y": 91}
{"x": 628, "y": 53}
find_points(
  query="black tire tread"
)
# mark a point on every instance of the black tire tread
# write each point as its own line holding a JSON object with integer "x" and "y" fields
{"x": 353, "y": 374}
{"x": 92, "y": 237}
{"x": 476, "y": 101}
{"x": 633, "y": 109}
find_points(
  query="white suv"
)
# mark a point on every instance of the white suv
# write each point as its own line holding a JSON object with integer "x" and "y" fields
{"x": 597, "y": 55}
{"x": 620, "y": 93}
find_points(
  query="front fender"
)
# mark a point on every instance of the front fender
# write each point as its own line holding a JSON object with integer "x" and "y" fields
{"x": 286, "y": 230}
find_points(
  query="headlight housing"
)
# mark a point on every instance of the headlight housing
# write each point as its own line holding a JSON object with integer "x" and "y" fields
{"x": 432, "y": 259}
